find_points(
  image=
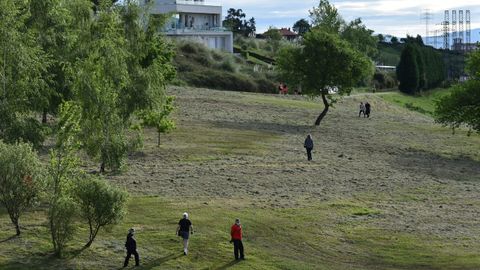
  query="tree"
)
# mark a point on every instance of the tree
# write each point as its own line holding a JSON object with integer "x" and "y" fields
{"x": 301, "y": 27}
{"x": 250, "y": 27}
{"x": 360, "y": 37}
{"x": 159, "y": 118}
{"x": 462, "y": 106}
{"x": 22, "y": 66}
{"x": 381, "y": 38}
{"x": 326, "y": 17}
{"x": 62, "y": 173}
{"x": 408, "y": 73}
{"x": 274, "y": 37}
{"x": 100, "y": 204}
{"x": 322, "y": 64}
{"x": 394, "y": 40}
{"x": 21, "y": 179}
{"x": 234, "y": 20}
{"x": 425, "y": 71}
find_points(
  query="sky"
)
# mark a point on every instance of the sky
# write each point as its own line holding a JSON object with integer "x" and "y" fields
{"x": 395, "y": 17}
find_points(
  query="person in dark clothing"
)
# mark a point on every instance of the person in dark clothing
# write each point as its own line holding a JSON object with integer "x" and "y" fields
{"x": 367, "y": 109}
{"x": 309, "y": 146}
{"x": 236, "y": 238}
{"x": 184, "y": 229}
{"x": 131, "y": 246}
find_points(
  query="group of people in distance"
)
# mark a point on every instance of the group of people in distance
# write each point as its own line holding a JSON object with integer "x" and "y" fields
{"x": 364, "y": 109}
{"x": 184, "y": 230}
{"x": 308, "y": 144}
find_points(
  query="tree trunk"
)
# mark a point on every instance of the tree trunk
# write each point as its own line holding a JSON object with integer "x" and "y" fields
{"x": 44, "y": 116}
{"x": 102, "y": 167}
{"x": 325, "y": 110}
{"x": 17, "y": 227}
{"x": 93, "y": 234}
{"x": 158, "y": 143}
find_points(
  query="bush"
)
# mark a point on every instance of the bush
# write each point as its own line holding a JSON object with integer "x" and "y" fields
{"x": 62, "y": 214}
{"x": 100, "y": 204}
{"x": 21, "y": 179}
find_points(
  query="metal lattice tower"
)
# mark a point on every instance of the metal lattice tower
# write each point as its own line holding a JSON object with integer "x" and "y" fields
{"x": 454, "y": 25}
{"x": 469, "y": 27}
{"x": 427, "y": 16}
{"x": 460, "y": 26}
{"x": 446, "y": 30}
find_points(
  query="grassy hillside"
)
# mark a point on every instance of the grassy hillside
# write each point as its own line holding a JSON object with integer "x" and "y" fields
{"x": 394, "y": 191}
{"x": 199, "y": 66}
{"x": 424, "y": 103}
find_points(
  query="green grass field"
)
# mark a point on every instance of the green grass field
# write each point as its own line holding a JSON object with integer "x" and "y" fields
{"x": 424, "y": 103}
{"x": 395, "y": 191}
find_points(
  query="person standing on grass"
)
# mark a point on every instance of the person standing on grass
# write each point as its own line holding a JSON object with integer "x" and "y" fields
{"x": 308, "y": 144}
{"x": 362, "y": 109}
{"x": 236, "y": 238}
{"x": 367, "y": 109}
{"x": 183, "y": 230}
{"x": 131, "y": 246}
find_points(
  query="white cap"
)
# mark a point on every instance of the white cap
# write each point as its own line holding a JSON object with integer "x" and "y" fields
{"x": 185, "y": 215}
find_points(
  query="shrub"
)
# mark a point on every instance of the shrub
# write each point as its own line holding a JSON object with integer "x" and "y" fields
{"x": 21, "y": 178}
{"x": 100, "y": 204}
{"x": 62, "y": 214}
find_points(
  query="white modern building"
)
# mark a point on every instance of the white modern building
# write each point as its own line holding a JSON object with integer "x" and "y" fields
{"x": 195, "y": 20}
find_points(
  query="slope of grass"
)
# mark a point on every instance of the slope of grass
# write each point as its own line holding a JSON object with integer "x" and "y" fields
{"x": 424, "y": 103}
{"x": 394, "y": 191}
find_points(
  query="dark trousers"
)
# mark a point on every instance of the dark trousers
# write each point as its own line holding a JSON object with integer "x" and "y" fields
{"x": 360, "y": 113}
{"x": 309, "y": 153}
{"x": 129, "y": 254}
{"x": 238, "y": 247}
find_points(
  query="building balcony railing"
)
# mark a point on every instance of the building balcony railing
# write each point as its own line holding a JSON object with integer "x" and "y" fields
{"x": 193, "y": 2}
{"x": 187, "y": 30}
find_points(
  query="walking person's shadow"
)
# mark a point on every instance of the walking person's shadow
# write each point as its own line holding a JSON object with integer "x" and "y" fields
{"x": 159, "y": 261}
{"x": 228, "y": 265}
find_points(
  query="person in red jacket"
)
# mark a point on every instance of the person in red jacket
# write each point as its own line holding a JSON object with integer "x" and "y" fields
{"x": 236, "y": 234}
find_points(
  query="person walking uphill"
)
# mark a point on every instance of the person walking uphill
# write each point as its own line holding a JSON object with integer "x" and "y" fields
{"x": 367, "y": 109}
{"x": 236, "y": 234}
{"x": 309, "y": 146}
{"x": 131, "y": 246}
{"x": 184, "y": 229}
{"x": 362, "y": 109}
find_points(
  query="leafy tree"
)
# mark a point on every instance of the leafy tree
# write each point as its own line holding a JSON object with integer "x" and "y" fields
{"x": 98, "y": 82}
{"x": 100, "y": 204}
{"x": 428, "y": 64}
{"x": 301, "y": 27}
{"x": 381, "y": 38}
{"x": 326, "y": 17}
{"x": 394, "y": 40}
{"x": 462, "y": 106}
{"x": 408, "y": 73}
{"x": 159, "y": 118}
{"x": 22, "y": 66}
{"x": 273, "y": 34}
{"x": 21, "y": 179}
{"x": 360, "y": 37}
{"x": 324, "y": 63}
{"x": 124, "y": 70}
{"x": 63, "y": 172}
{"x": 62, "y": 215}
{"x": 235, "y": 21}
{"x": 274, "y": 37}
{"x": 250, "y": 27}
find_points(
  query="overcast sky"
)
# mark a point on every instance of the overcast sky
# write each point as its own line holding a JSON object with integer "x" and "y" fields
{"x": 396, "y": 17}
